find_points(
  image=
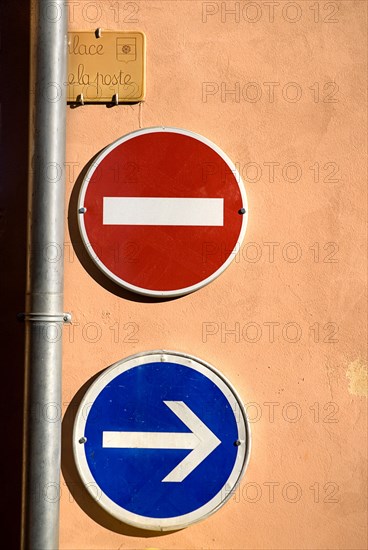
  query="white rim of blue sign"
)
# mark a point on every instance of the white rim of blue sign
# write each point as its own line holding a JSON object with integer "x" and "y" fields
{"x": 240, "y": 465}
{"x": 93, "y": 254}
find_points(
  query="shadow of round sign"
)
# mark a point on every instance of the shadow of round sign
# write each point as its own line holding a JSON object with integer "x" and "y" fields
{"x": 162, "y": 211}
{"x": 161, "y": 440}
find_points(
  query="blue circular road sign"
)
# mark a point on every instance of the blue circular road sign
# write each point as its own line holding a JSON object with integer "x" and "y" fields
{"x": 161, "y": 439}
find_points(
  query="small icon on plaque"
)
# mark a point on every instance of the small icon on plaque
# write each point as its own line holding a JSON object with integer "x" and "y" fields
{"x": 126, "y": 49}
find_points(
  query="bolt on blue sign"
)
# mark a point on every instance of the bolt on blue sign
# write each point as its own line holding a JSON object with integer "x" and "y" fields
{"x": 161, "y": 439}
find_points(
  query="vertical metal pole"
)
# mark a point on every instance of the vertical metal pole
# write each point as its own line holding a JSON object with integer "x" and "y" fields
{"x": 44, "y": 317}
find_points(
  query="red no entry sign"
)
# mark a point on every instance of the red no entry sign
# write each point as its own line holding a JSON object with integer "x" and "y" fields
{"x": 161, "y": 211}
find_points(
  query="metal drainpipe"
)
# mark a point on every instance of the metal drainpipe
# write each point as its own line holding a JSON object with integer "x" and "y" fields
{"x": 44, "y": 317}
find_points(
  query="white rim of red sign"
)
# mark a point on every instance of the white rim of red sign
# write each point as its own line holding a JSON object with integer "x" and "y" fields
{"x": 106, "y": 270}
{"x": 240, "y": 465}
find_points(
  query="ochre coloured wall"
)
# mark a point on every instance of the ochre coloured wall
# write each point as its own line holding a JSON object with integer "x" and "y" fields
{"x": 280, "y": 88}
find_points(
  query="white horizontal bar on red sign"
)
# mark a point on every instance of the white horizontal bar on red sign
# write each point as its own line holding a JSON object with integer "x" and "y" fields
{"x": 163, "y": 211}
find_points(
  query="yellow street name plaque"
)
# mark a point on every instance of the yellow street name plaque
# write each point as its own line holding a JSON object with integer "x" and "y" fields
{"x": 106, "y": 67}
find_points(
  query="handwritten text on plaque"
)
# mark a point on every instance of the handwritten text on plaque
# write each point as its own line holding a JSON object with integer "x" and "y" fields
{"x": 106, "y": 68}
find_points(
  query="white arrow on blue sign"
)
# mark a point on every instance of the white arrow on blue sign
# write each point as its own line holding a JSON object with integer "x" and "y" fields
{"x": 162, "y": 439}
